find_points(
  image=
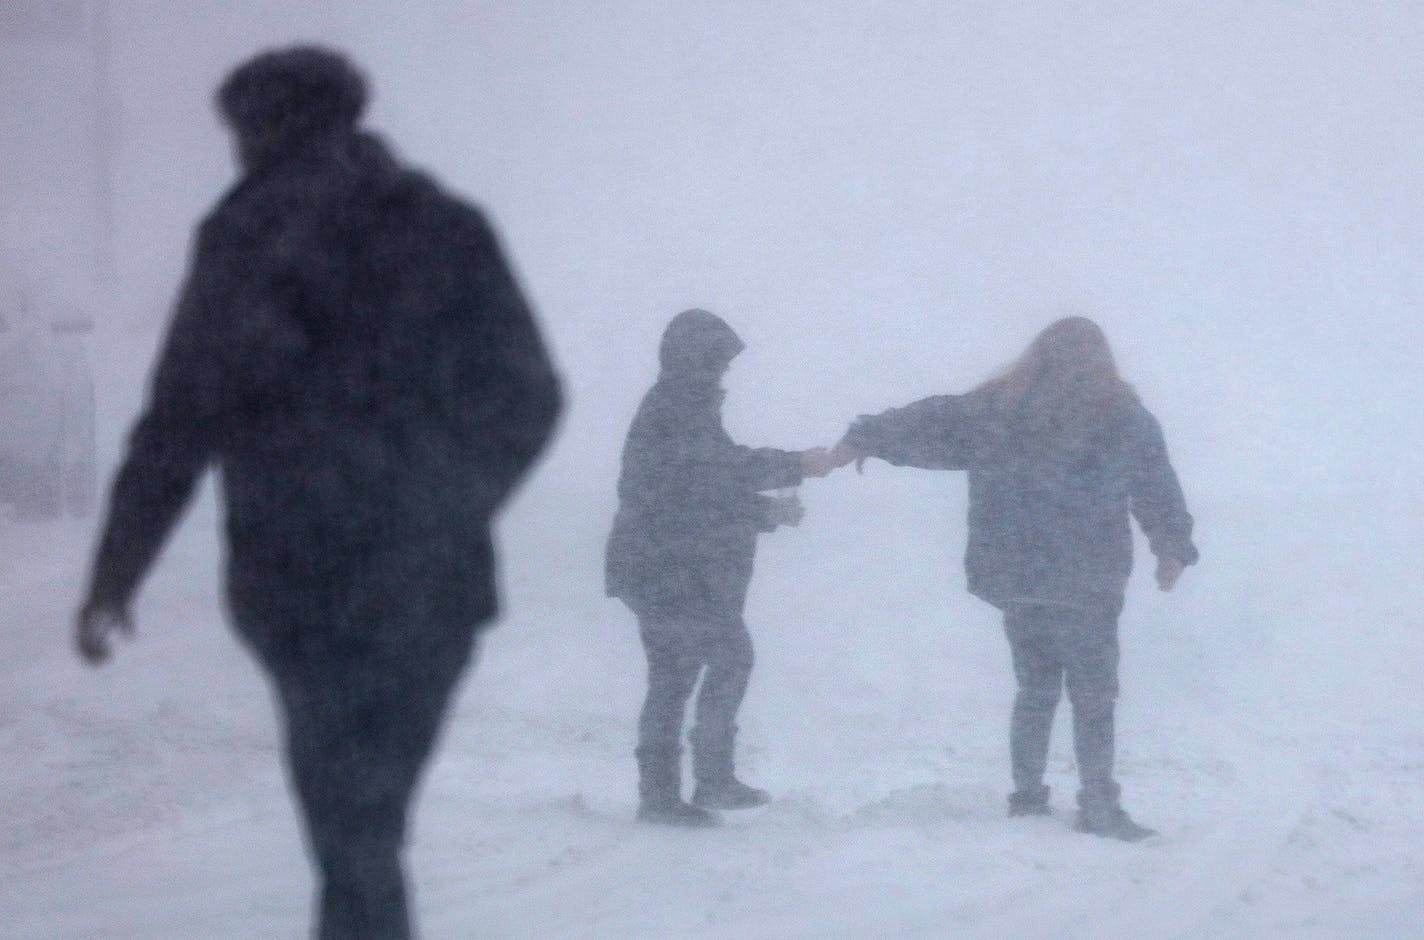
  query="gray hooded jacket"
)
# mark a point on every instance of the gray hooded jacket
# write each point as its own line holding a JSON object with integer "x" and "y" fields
{"x": 689, "y": 512}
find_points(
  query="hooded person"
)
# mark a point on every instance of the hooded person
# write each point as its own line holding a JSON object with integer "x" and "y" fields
{"x": 691, "y": 504}
{"x": 352, "y": 355}
{"x": 1060, "y": 454}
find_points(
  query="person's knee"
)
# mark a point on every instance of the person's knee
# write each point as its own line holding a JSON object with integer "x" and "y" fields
{"x": 357, "y": 862}
{"x": 362, "y": 814}
{"x": 360, "y": 844}
{"x": 730, "y": 648}
{"x": 1039, "y": 697}
{"x": 1040, "y": 689}
{"x": 1092, "y": 704}
{"x": 671, "y": 683}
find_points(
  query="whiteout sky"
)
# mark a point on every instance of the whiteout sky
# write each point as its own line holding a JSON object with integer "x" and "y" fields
{"x": 886, "y": 200}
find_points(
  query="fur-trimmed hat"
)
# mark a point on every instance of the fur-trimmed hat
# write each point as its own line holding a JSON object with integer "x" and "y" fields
{"x": 287, "y": 95}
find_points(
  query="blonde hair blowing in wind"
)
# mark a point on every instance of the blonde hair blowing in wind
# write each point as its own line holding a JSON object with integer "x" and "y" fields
{"x": 1063, "y": 389}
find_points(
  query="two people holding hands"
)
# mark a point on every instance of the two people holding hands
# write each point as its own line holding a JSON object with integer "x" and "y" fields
{"x": 1060, "y": 453}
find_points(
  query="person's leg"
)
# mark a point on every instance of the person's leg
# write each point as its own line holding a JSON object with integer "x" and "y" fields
{"x": 357, "y": 739}
{"x": 364, "y": 653}
{"x": 1039, "y": 672}
{"x": 726, "y": 646}
{"x": 1090, "y": 653}
{"x": 354, "y": 810}
{"x": 672, "y": 674}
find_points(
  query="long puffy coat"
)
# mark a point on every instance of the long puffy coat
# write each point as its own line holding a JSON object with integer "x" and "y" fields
{"x": 353, "y": 355}
{"x": 1045, "y": 524}
{"x": 689, "y": 508}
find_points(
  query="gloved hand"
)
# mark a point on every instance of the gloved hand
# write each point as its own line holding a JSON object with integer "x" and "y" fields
{"x": 1168, "y": 571}
{"x": 784, "y": 510}
{"x": 820, "y": 461}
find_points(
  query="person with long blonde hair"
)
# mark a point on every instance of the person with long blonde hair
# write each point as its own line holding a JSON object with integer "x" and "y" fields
{"x": 1060, "y": 453}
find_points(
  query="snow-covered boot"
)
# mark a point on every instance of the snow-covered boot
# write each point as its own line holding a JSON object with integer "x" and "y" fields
{"x": 714, "y": 768}
{"x": 1100, "y": 814}
{"x": 730, "y": 793}
{"x": 1033, "y": 802}
{"x": 660, "y": 791}
{"x": 1112, "y": 824}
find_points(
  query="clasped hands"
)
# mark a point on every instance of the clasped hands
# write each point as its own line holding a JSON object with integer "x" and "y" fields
{"x": 820, "y": 461}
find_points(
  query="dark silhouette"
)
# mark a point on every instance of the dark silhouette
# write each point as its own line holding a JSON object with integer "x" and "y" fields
{"x": 352, "y": 354}
{"x": 680, "y": 556}
{"x": 1059, "y": 452}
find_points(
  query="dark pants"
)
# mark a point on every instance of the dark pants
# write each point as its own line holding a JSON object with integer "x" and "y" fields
{"x": 357, "y": 740}
{"x": 1053, "y": 646}
{"x": 364, "y": 665}
{"x": 679, "y": 647}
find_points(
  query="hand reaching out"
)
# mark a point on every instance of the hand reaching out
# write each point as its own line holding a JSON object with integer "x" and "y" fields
{"x": 843, "y": 454}
{"x": 816, "y": 462}
{"x": 820, "y": 461}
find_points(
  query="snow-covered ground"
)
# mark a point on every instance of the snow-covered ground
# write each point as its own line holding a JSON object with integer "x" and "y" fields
{"x": 1270, "y": 728}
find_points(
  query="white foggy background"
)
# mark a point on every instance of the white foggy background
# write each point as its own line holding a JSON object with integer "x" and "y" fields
{"x": 886, "y": 201}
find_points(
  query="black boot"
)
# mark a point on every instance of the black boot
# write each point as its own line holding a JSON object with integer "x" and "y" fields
{"x": 1030, "y": 802}
{"x": 660, "y": 791}
{"x": 1100, "y": 814}
{"x": 715, "y": 771}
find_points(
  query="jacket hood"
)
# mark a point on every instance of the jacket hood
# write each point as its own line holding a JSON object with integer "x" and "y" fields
{"x": 698, "y": 344}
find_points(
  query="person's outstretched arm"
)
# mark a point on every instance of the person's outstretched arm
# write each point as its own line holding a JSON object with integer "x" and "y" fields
{"x": 767, "y": 468}
{"x": 931, "y": 434}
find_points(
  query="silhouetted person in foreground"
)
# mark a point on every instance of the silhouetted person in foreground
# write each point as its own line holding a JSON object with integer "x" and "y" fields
{"x": 690, "y": 507}
{"x": 352, "y": 354}
{"x": 1059, "y": 452}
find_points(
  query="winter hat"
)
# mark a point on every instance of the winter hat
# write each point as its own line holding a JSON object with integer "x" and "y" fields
{"x": 285, "y": 96}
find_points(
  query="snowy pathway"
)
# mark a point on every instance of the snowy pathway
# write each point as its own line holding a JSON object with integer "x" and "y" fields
{"x": 145, "y": 800}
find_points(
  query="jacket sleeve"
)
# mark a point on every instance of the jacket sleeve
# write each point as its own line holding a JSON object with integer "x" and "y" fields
{"x": 174, "y": 438}
{"x": 681, "y": 460}
{"x": 765, "y": 468}
{"x": 506, "y": 396}
{"x": 933, "y": 434}
{"x": 1157, "y": 501}
{"x": 756, "y": 469}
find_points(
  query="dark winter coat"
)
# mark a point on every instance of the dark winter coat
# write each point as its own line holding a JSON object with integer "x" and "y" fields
{"x": 1045, "y": 524}
{"x": 689, "y": 507}
{"x": 353, "y": 355}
